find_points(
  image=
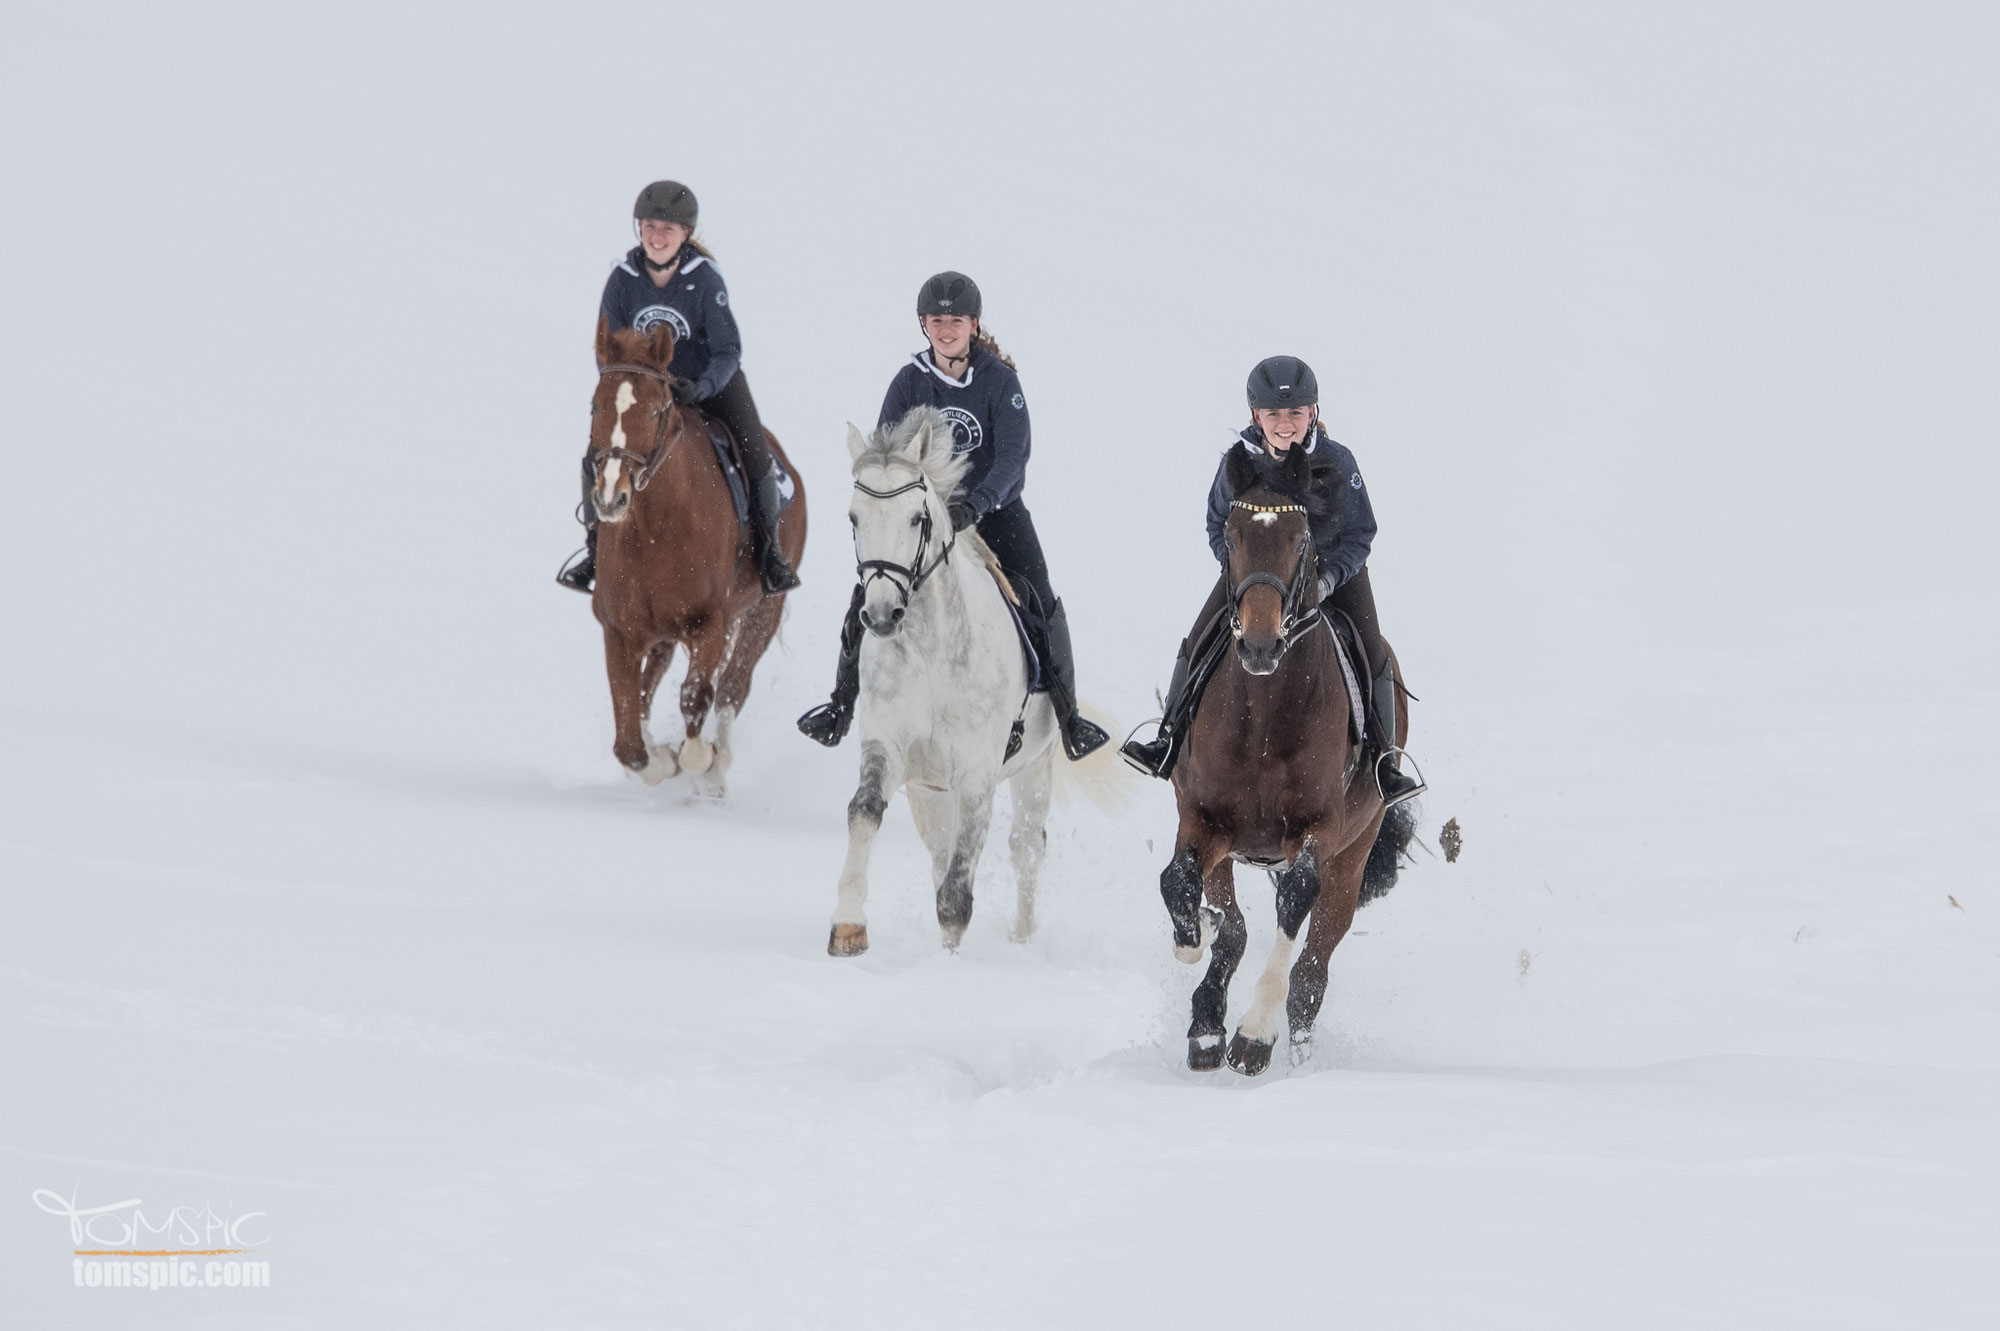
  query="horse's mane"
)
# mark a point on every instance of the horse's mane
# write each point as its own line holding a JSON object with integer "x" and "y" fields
{"x": 896, "y": 445}
{"x": 1271, "y": 474}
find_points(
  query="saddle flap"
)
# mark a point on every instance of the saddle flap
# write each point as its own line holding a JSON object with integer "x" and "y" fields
{"x": 726, "y": 456}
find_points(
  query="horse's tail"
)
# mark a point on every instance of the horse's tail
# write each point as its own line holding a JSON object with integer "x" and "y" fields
{"x": 1390, "y": 852}
{"x": 1101, "y": 776}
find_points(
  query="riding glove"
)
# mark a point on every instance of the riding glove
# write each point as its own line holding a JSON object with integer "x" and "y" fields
{"x": 684, "y": 391}
{"x": 963, "y": 514}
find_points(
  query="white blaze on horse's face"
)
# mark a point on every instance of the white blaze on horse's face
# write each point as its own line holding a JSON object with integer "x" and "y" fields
{"x": 608, "y": 475}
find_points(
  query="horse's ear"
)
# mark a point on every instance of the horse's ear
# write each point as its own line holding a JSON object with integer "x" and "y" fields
{"x": 1297, "y": 469}
{"x": 1239, "y": 469}
{"x": 660, "y": 346}
{"x": 605, "y": 354}
{"x": 920, "y": 442}
{"x": 857, "y": 442}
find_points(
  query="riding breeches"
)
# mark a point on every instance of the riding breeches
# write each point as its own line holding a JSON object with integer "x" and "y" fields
{"x": 1354, "y": 597}
{"x": 734, "y": 407}
{"x": 1009, "y": 531}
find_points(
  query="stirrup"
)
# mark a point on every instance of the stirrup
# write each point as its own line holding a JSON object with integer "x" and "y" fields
{"x": 1088, "y": 736}
{"x": 777, "y": 578}
{"x": 1139, "y": 757}
{"x": 571, "y": 574}
{"x": 1419, "y": 788}
{"x": 827, "y": 724}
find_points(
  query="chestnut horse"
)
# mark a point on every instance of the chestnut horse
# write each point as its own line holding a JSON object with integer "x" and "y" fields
{"x": 1272, "y": 775}
{"x": 674, "y": 567}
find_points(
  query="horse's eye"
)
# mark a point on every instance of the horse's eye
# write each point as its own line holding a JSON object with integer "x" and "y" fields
{"x": 853, "y": 521}
{"x": 917, "y": 521}
{"x": 1229, "y": 540}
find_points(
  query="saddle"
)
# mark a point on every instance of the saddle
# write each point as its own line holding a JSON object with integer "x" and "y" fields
{"x": 1019, "y": 594}
{"x": 1212, "y": 639}
{"x": 731, "y": 462}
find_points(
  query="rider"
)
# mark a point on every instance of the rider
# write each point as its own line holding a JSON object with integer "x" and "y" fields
{"x": 1284, "y": 412}
{"x": 966, "y": 376}
{"x": 670, "y": 278}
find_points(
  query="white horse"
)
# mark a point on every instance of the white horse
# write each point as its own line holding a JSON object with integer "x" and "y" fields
{"x": 943, "y": 684}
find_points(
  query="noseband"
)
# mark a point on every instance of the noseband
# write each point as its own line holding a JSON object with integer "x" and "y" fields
{"x": 1301, "y": 605}
{"x": 643, "y": 466}
{"x": 905, "y": 578}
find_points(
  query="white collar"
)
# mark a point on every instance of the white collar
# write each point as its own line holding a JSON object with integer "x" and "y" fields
{"x": 924, "y": 361}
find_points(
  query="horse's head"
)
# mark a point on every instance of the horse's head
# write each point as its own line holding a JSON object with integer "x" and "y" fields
{"x": 1267, "y": 545}
{"x": 633, "y": 424}
{"x": 904, "y": 475}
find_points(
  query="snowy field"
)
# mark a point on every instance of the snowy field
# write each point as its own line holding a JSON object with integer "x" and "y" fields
{"x": 1665, "y": 335}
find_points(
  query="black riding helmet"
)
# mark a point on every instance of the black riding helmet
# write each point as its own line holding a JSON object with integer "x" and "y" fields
{"x": 666, "y": 201}
{"x": 949, "y": 293}
{"x": 1282, "y": 381}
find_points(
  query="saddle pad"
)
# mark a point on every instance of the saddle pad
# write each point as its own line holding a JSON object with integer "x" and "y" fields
{"x": 739, "y": 492}
{"x": 1034, "y": 662}
{"x": 1357, "y": 706}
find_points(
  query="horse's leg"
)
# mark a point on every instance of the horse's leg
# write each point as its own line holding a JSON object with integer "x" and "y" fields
{"x": 707, "y": 646}
{"x": 751, "y": 637}
{"x": 954, "y": 890}
{"x": 661, "y": 765}
{"x": 624, "y": 660}
{"x": 881, "y": 774}
{"x": 1298, "y": 890}
{"x": 1340, "y": 893}
{"x": 1201, "y": 867}
{"x": 1028, "y": 838}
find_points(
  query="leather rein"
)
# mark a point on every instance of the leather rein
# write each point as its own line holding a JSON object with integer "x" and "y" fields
{"x": 643, "y": 465}
{"x": 1301, "y": 605}
{"x": 905, "y": 578}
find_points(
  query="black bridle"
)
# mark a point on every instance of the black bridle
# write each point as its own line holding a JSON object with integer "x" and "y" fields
{"x": 905, "y": 578}
{"x": 1300, "y": 595}
{"x": 643, "y": 465}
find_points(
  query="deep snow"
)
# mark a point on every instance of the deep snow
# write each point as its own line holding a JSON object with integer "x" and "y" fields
{"x": 1664, "y": 338}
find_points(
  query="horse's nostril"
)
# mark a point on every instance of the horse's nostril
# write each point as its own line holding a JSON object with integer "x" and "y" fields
{"x": 896, "y": 615}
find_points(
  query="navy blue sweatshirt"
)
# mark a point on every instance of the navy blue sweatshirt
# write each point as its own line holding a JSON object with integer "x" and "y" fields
{"x": 1342, "y": 538}
{"x": 988, "y": 415}
{"x": 707, "y": 347}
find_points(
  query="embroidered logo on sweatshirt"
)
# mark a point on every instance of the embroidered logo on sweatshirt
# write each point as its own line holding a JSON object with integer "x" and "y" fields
{"x": 653, "y": 316}
{"x": 966, "y": 433}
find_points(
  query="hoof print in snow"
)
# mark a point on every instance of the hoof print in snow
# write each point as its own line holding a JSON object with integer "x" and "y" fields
{"x": 847, "y": 940}
{"x": 1249, "y": 1057}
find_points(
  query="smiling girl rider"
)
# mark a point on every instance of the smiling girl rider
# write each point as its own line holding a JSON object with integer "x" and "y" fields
{"x": 965, "y": 375}
{"x": 1284, "y": 414}
{"x": 670, "y": 278}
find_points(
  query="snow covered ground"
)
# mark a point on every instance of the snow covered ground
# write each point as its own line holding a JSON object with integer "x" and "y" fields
{"x": 1665, "y": 338}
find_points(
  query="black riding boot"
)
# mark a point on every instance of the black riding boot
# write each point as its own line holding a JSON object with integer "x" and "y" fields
{"x": 1395, "y": 784}
{"x": 1079, "y": 735}
{"x": 579, "y": 571}
{"x": 1155, "y": 757}
{"x": 828, "y": 722}
{"x": 772, "y": 570}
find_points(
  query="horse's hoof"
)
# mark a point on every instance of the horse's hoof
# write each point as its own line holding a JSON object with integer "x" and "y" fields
{"x": 1249, "y": 1057}
{"x": 847, "y": 940}
{"x": 1187, "y": 955}
{"x": 660, "y": 767}
{"x": 952, "y": 937}
{"x": 696, "y": 755}
{"x": 632, "y": 762}
{"x": 1204, "y": 1053}
{"x": 1302, "y": 1048}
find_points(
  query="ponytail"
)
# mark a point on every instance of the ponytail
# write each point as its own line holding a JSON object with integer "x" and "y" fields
{"x": 985, "y": 339}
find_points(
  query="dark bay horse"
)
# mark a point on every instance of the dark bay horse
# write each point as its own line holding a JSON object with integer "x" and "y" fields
{"x": 1272, "y": 775}
{"x": 674, "y": 568}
